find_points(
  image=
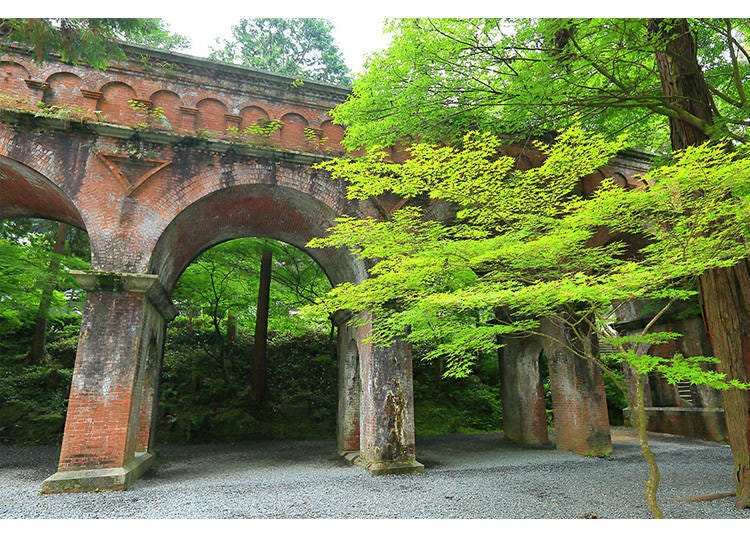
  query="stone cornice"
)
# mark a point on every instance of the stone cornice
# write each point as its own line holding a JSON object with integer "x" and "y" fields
{"x": 147, "y": 284}
{"x": 245, "y": 74}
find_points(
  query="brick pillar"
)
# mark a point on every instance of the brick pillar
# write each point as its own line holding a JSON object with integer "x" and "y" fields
{"x": 187, "y": 118}
{"x": 91, "y": 102}
{"x": 387, "y": 408}
{"x": 107, "y": 391}
{"x": 151, "y": 370}
{"x": 578, "y": 400}
{"x": 524, "y": 411}
{"x": 347, "y": 417}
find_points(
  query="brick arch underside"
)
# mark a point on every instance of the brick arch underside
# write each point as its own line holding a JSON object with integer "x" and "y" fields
{"x": 257, "y": 210}
{"x": 26, "y": 193}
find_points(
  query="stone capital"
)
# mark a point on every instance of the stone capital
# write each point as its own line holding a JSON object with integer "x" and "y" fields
{"x": 148, "y": 284}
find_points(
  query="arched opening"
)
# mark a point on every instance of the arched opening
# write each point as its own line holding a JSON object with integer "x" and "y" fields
{"x": 41, "y": 238}
{"x": 211, "y": 358}
{"x": 215, "y": 385}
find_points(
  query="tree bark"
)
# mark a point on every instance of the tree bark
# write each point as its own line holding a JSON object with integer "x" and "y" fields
{"x": 652, "y": 484}
{"x": 682, "y": 80}
{"x": 39, "y": 336}
{"x": 724, "y": 292}
{"x": 260, "y": 384}
{"x": 725, "y": 300}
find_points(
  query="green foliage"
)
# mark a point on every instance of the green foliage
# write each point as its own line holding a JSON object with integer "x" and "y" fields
{"x": 263, "y": 130}
{"x": 92, "y": 41}
{"x": 33, "y": 399}
{"x": 292, "y": 47}
{"x": 464, "y": 406}
{"x": 441, "y": 78}
{"x": 198, "y": 404}
{"x": 224, "y": 280}
{"x": 150, "y": 114}
{"x": 521, "y": 241}
{"x": 25, "y": 260}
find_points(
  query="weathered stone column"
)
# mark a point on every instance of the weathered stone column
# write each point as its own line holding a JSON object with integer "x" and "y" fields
{"x": 524, "y": 410}
{"x": 347, "y": 417}
{"x": 107, "y": 391}
{"x": 578, "y": 400}
{"x": 387, "y": 408}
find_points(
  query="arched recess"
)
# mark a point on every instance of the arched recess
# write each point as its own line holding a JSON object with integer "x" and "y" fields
{"x": 211, "y": 114}
{"x": 253, "y": 115}
{"x": 333, "y": 135}
{"x": 115, "y": 105}
{"x": 64, "y": 90}
{"x": 170, "y": 104}
{"x": 12, "y": 76}
{"x": 293, "y": 131}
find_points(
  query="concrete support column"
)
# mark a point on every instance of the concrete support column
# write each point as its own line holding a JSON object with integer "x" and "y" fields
{"x": 99, "y": 449}
{"x": 578, "y": 399}
{"x": 347, "y": 417}
{"x": 524, "y": 410}
{"x": 387, "y": 408}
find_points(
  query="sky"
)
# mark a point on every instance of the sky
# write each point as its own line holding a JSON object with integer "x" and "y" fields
{"x": 357, "y": 25}
{"x": 356, "y": 36}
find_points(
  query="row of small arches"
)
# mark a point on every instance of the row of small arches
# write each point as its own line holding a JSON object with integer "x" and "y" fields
{"x": 119, "y": 103}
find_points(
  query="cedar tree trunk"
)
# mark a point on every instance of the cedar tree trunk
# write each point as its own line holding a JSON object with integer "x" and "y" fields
{"x": 724, "y": 292}
{"x": 260, "y": 384}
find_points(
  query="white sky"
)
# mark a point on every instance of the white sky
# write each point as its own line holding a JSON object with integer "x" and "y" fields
{"x": 356, "y": 36}
{"x": 357, "y": 23}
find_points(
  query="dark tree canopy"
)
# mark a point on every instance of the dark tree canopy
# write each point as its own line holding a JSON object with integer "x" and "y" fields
{"x": 293, "y": 47}
{"x": 92, "y": 41}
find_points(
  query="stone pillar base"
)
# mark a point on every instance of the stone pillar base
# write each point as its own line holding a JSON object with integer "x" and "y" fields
{"x": 382, "y": 467}
{"x": 392, "y": 468}
{"x": 109, "y": 479}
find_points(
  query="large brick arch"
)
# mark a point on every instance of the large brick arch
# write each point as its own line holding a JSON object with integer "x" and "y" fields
{"x": 26, "y": 193}
{"x": 250, "y": 210}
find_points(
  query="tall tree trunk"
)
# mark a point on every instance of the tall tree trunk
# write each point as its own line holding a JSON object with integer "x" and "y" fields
{"x": 260, "y": 386}
{"x": 724, "y": 292}
{"x": 682, "y": 80}
{"x": 39, "y": 336}
{"x": 725, "y": 300}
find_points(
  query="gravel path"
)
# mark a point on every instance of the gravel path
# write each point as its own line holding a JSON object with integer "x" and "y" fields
{"x": 476, "y": 477}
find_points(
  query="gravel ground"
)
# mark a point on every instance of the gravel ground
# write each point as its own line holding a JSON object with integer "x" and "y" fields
{"x": 468, "y": 477}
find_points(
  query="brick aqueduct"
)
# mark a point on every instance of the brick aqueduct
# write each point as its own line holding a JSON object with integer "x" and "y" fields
{"x": 146, "y": 157}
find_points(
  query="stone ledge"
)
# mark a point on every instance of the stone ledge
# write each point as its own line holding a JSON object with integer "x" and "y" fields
{"x": 93, "y": 280}
{"x": 109, "y": 479}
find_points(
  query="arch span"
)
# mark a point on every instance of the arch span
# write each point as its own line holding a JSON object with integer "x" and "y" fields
{"x": 250, "y": 210}
{"x": 29, "y": 194}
